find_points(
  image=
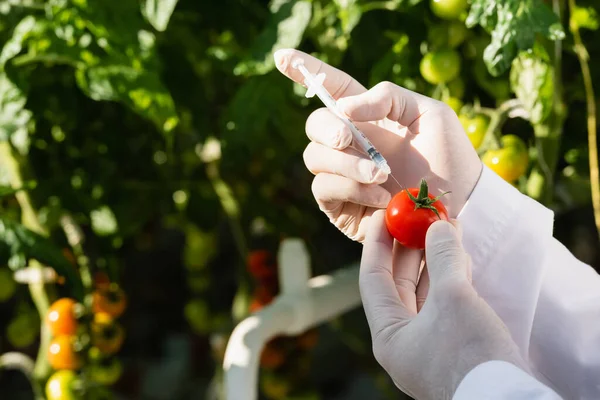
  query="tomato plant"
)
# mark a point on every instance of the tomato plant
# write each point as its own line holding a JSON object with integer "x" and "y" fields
{"x": 140, "y": 171}
{"x": 440, "y": 66}
{"x": 510, "y": 161}
{"x": 410, "y": 213}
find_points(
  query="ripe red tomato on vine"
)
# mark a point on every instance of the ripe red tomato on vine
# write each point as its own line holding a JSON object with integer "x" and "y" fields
{"x": 262, "y": 264}
{"x": 411, "y": 212}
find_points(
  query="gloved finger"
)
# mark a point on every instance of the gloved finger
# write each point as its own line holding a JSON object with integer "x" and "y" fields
{"x": 337, "y": 83}
{"x": 381, "y": 301}
{"x": 325, "y": 128}
{"x": 331, "y": 191}
{"x": 422, "y": 288}
{"x": 446, "y": 258}
{"x": 407, "y": 263}
{"x": 319, "y": 158}
{"x": 387, "y": 100}
{"x": 469, "y": 265}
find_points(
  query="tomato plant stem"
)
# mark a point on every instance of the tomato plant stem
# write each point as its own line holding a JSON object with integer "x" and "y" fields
{"x": 76, "y": 238}
{"x": 24, "y": 364}
{"x": 583, "y": 57}
{"x": 30, "y": 221}
{"x": 498, "y": 116}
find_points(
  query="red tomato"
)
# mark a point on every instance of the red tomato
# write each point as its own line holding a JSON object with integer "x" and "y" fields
{"x": 272, "y": 356}
{"x": 410, "y": 213}
{"x": 262, "y": 264}
{"x": 61, "y": 319}
{"x": 263, "y": 295}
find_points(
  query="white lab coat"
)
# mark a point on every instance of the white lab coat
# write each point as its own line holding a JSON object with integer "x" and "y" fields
{"x": 549, "y": 300}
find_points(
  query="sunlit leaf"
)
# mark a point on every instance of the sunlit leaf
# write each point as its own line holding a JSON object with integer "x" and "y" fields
{"x": 104, "y": 222}
{"x": 140, "y": 90}
{"x": 13, "y": 116}
{"x": 513, "y": 25}
{"x": 285, "y": 29}
{"x": 158, "y": 12}
{"x": 532, "y": 80}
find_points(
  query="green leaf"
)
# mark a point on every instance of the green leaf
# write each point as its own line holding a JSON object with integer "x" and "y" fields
{"x": 28, "y": 26}
{"x": 284, "y": 29}
{"x": 104, "y": 222}
{"x": 158, "y": 12}
{"x": 23, "y": 241}
{"x": 13, "y": 115}
{"x": 513, "y": 25}
{"x": 584, "y": 17}
{"x": 140, "y": 90}
{"x": 532, "y": 81}
{"x": 9, "y": 191}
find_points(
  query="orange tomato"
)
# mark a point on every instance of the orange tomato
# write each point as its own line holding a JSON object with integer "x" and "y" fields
{"x": 61, "y": 318}
{"x": 111, "y": 300}
{"x": 62, "y": 354}
{"x": 272, "y": 356}
{"x": 308, "y": 339}
{"x": 107, "y": 334}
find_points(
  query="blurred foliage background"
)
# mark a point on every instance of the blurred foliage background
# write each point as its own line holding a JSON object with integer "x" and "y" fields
{"x": 152, "y": 145}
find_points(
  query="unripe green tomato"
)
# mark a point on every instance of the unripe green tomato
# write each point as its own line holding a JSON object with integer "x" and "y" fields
{"x": 457, "y": 33}
{"x": 448, "y": 9}
{"x": 440, "y": 66}
{"x": 22, "y": 331}
{"x": 457, "y": 88}
{"x": 8, "y": 286}
{"x": 454, "y": 103}
{"x": 475, "y": 128}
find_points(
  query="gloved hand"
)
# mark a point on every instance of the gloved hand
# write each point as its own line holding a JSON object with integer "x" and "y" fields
{"x": 428, "y": 352}
{"x": 420, "y": 138}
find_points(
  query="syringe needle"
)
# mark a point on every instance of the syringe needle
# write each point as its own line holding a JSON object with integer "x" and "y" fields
{"x": 314, "y": 85}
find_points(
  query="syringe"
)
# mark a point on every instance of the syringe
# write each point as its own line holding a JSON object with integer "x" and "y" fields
{"x": 314, "y": 83}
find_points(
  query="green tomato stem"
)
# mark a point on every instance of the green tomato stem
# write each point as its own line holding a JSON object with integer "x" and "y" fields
{"x": 75, "y": 237}
{"x": 37, "y": 289}
{"x": 583, "y": 57}
{"x": 491, "y": 140}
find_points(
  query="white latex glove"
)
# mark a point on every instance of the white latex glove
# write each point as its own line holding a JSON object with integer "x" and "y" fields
{"x": 428, "y": 353}
{"x": 420, "y": 138}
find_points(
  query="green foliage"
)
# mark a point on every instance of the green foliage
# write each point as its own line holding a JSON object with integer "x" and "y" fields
{"x": 285, "y": 29}
{"x": 513, "y": 25}
{"x": 532, "y": 80}
{"x": 140, "y": 117}
{"x": 28, "y": 244}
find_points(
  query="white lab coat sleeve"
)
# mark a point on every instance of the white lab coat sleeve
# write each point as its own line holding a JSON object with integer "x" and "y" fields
{"x": 499, "y": 380}
{"x": 549, "y": 300}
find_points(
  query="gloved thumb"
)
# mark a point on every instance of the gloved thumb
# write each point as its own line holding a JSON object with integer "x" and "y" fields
{"x": 445, "y": 256}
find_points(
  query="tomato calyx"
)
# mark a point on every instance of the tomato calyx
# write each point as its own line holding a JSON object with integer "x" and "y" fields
{"x": 423, "y": 200}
